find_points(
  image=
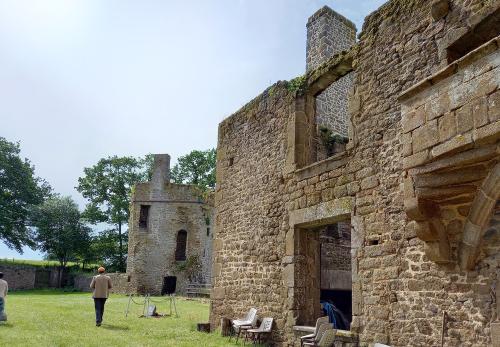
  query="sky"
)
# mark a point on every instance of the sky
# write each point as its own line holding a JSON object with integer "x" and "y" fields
{"x": 85, "y": 79}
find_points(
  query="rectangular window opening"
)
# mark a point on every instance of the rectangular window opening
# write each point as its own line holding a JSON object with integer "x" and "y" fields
{"x": 487, "y": 29}
{"x": 143, "y": 216}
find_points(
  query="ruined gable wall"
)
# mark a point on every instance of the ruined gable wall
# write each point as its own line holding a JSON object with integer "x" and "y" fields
{"x": 398, "y": 294}
{"x": 250, "y": 223}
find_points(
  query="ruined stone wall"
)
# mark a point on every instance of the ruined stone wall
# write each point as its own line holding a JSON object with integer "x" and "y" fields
{"x": 404, "y": 294}
{"x": 120, "y": 281}
{"x": 151, "y": 254}
{"x": 249, "y": 240}
{"x": 336, "y": 247}
{"x": 399, "y": 294}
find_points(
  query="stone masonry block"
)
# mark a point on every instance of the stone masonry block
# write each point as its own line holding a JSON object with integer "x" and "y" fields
{"x": 426, "y": 136}
{"x": 488, "y": 134}
{"x": 456, "y": 143}
{"x": 480, "y": 112}
{"x": 369, "y": 182}
{"x": 413, "y": 119}
{"x": 464, "y": 119}
{"x": 415, "y": 159}
{"x": 447, "y": 126}
{"x": 494, "y": 106}
{"x": 437, "y": 106}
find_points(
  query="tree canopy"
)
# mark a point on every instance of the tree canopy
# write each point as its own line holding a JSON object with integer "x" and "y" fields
{"x": 107, "y": 186}
{"x": 197, "y": 167}
{"x": 20, "y": 189}
{"x": 59, "y": 230}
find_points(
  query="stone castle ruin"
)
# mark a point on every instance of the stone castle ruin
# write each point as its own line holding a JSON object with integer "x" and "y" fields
{"x": 170, "y": 233}
{"x": 401, "y": 228}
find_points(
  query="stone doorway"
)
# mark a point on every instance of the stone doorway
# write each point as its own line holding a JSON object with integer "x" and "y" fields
{"x": 324, "y": 273}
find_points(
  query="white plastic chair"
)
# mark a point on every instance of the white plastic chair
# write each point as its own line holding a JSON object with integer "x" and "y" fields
{"x": 264, "y": 329}
{"x": 321, "y": 331}
{"x": 248, "y": 322}
{"x": 310, "y": 337}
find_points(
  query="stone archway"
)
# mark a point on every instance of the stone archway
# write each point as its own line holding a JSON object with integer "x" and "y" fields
{"x": 478, "y": 219}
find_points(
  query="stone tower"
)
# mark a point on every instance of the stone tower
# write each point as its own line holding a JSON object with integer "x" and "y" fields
{"x": 169, "y": 226}
{"x": 329, "y": 33}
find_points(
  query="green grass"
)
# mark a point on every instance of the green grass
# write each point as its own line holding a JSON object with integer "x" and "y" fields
{"x": 56, "y": 318}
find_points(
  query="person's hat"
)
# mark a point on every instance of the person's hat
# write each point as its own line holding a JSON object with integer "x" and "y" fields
{"x": 101, "y": 270}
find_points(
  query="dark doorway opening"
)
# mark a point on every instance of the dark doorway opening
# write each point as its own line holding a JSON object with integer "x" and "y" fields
{"x": 169, "y": 285}
{"x": 325, "y": 264}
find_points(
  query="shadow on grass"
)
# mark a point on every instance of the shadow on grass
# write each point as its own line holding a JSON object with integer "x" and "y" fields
{"x": 114, "y": 327}
{"x": 6, "y": 325}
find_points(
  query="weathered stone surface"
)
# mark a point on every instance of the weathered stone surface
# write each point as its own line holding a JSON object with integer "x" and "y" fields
{"x": 406, "y": 241}
{"x": 447, "y": 126}
{"x": 425, "y": 136}
{"x": 439, "y": 9}
{"x": 153, "y": 242}
{"x": 494, "y": 106}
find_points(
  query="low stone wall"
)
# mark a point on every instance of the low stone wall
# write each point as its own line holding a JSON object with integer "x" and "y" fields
{"x": 119, "y": 281}
{"x": 19, "y": 277}
{"x": 121, "y": 284}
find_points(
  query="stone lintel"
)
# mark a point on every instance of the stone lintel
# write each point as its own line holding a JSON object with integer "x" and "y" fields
{"x": 324, "y": 213}
{"x": 336, "y": 67}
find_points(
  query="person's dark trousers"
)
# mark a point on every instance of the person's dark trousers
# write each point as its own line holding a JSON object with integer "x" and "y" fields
{"x": 99, "y": 309}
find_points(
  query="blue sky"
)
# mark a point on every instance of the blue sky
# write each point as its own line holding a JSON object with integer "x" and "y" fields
{"x": 85, "y": 79}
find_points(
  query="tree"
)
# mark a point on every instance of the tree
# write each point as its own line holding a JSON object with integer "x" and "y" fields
{"x": 59, "y": 230}
{"x": 20, "y": 189}
{"x": 107, "y": 186}
{"x": 197, "y": 167}
{"x": 105, "y": 248}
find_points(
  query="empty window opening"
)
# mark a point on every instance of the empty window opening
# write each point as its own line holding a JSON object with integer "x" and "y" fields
{"x": 143, "y": 216}
{"x": 332, "y": 118}
{"x": 208, "y": 231}
{"x": 231, "y": 161}
{"x": 483, "y": 32}
{"x": 180, "y": 250}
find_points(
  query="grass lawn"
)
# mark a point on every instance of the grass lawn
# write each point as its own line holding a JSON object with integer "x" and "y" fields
{"x": 55, "y": 318}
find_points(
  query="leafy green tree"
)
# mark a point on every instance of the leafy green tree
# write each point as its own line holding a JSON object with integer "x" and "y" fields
{"x": 197, "y": 167}
{"x": 107, "y": 186}
{"x": 20, "y": 189}
{"x": 59, "y": 231}
{"x": 105, "y": 248}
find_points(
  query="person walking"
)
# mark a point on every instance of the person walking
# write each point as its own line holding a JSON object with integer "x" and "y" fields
{"x": 101, "y": 284}
{"x": 4, "y": 288}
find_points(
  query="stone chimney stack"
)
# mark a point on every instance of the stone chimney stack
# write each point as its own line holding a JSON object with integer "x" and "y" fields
{"x": 328, "y": 33}
{"x": 161, "y": 174}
